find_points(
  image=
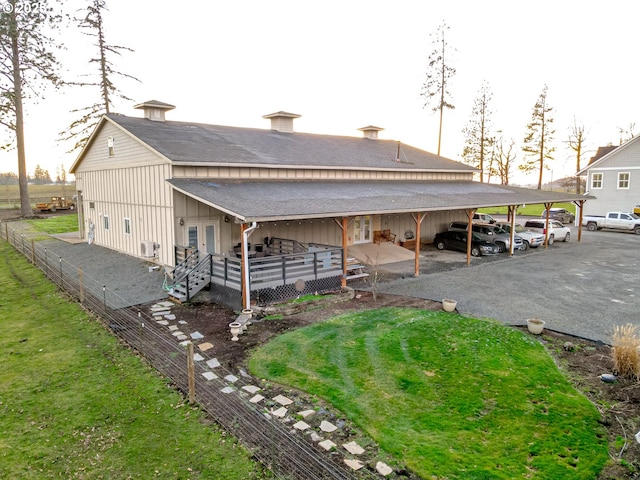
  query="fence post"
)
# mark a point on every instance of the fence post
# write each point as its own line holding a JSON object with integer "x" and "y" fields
{"x": 80, "y": 285}
{"x": 33, "y": 251}
{"x": 191, "y": 372}
{"x": 104, "y": 296}
{"x": 46, "y": 262}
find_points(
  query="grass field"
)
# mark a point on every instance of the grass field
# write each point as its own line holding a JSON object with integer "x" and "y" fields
{"x": 450, "y": 396}
{"x": 74, "y": 403}
{"x": 10, "y": 194}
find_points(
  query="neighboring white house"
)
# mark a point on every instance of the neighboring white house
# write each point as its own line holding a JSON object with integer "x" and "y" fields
{"x": 613, "y": 179}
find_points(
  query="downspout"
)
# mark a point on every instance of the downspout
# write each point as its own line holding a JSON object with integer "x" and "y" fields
{"x": 246, "y": 300}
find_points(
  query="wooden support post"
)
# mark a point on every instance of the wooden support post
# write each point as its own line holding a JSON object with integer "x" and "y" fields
{"x": 470, "y": 214}
{"x": 580, "y": 204}
{"x": 191, "y": 369}
{"x": 547, "y": 207}
{"x": 418, "y": 218}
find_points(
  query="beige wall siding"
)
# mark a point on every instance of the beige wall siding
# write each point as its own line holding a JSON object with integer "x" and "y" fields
{"x": 127, "y": 152}
{"x": 611, "y": 198}
{"x": 256, "y": 173}
{"x": 138, "y": 193}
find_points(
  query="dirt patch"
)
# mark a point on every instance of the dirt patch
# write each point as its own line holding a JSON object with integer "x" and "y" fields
{"x": 583, "y": 361}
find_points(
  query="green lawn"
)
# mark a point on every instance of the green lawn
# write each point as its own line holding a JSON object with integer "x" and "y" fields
{"x": 74, "y": 403}
{"x": 56, "y": 224}
{"x": 452, "y": 397}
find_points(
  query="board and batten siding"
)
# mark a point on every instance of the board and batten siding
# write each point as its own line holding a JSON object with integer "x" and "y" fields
{"x": 140, "y": 194}
{"x": 258, "y": 173}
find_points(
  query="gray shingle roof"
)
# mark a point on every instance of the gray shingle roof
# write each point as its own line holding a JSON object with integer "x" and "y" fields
{"x": 288, "y": 200}
{"x": 200, "y": 143}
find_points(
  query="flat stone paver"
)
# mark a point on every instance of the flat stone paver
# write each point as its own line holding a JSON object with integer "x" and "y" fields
{"x": 353, "y": 448}
{"x": 163, "y": 322}
{"x": 173, "y": 328}
{"x": 228, "y": 389}
{"x": 327, "y": 426}
{"x": 205, "y": 346}
{"x": 282, "y": 400}
{"x": 181, "y": 337}
{"x": 209, "y": 375}
{"x": 251, "y": 388}
{"x": 213, "y": 363}
{"x": 327, "y": 445}
{"x": 197, "y": 357}
{"x": 383, "y": 469}
{"x": 307, "y": 413}
{"x": 301, "y": 425}
{"x": 280, "y": 413}
{"x": 354, "y": 464}
{"x": 231, "y": 378}
{"x": 197, "y": 335}
{"x": 170, "y": 317}
{"x": 256, "y": 398}
{"x": 315, "y": 437}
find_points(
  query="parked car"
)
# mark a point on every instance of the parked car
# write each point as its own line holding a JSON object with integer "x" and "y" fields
{"x": 457, "y": 240}
{"x": 483, "y": 218}
{"x": 490, "y": 233}
{"x": 529, "y": 238}
{"x": 557, "y": 231}
{"x": 613, "y": 221}
{"x": 561, "y": 214}
{"x": 56, "y": 203}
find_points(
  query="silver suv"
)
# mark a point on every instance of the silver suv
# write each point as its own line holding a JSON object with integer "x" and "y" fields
{"x": 491, "y": 233}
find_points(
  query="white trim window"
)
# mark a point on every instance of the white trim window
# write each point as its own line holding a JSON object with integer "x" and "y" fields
{"x": 624, "y": 178}
{"x": 596, "y": 181}
{"x": 110, "y": 147}
{"x": 127, "y": 226}
{"x": 105, "y": 222}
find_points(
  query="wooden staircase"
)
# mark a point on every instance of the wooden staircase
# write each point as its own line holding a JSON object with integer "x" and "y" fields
{"x": 189, "y": 277}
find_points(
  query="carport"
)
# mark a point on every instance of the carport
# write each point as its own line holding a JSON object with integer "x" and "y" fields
{"x": 340, "y": 202}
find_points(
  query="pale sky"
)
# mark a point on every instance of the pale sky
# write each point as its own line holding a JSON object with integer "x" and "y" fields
{"x": 346, "y": 64}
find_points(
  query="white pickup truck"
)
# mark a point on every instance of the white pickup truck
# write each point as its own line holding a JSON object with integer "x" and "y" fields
{"x": 614, "y": 221}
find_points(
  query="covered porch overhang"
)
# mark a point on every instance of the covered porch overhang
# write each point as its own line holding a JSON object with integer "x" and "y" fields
{"x": 250, "y": 202}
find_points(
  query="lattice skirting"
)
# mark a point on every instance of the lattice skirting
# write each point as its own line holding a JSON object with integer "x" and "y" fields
{"x": 266, "y": 296}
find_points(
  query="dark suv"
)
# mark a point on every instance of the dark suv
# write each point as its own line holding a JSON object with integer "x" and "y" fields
{"x": 490, "y": 233}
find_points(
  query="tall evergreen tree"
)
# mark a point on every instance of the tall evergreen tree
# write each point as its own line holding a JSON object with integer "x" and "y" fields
{"x": 27, "y": 65}
{"x": 478, "y": 135}
{"x": 439, "y": 73}
{"x": 538, "y": 140}
{"x": 92, "y": 24}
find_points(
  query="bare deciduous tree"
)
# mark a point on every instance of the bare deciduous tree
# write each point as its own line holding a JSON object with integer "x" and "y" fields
{"x": 576, "y": 141}
{"x": 478, "y": 136}
{"x": 439, "y": 73}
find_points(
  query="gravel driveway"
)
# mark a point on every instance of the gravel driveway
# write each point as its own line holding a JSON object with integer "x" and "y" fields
{"x": 583, "y": 289}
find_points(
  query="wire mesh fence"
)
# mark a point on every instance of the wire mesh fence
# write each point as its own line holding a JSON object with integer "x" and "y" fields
{"x": 286, "y": 453}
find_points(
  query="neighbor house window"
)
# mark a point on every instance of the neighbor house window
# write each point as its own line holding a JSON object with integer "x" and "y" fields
{"x": 596, "y": 180}
{"x": 110, "y": 146}
{"x": 105, "y": 222}
{"x": 623, "y": 180}
{"x": 92, "y": 204}
{"x": 127, "y": 226}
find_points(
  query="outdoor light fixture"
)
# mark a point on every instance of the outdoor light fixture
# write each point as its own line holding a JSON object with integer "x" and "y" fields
{"x": 181, "y": 221}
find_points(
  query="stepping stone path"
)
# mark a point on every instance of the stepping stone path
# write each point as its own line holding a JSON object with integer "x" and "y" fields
{"x": 162, "y": 315}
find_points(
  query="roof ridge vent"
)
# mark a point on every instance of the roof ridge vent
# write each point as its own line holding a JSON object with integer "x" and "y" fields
{"x": 154, "y": 110}
{"x": 370, "y": 132}
{"x": 282, "y": 121}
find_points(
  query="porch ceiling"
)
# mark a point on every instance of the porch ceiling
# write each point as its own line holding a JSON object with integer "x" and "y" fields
{"x": 291, "y": 200}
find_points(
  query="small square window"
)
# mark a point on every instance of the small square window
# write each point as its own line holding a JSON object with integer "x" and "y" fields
{"x": 623, "y": 180}
{"x": 92, "y": 204}
{"x": 105, "y": 222}
{"x": 127, "y": 226}
{"x": 110, "y": 146}
{"x": 596, "y": 181}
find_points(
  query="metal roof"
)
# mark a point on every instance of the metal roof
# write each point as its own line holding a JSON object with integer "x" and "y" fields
{"x": 291, "y": 200}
